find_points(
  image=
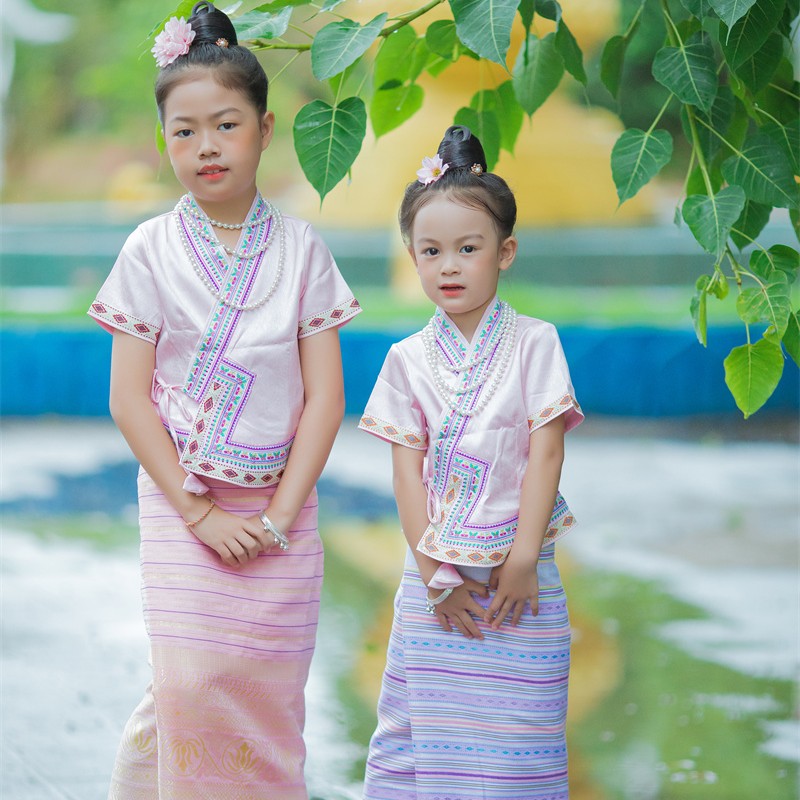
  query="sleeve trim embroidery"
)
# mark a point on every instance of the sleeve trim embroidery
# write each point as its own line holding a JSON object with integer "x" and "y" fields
{"x": 330, "y": 318}
{"x": 393, "y": 433}
{"x": 552, "y": 411}
{"x": 122, "y": 321}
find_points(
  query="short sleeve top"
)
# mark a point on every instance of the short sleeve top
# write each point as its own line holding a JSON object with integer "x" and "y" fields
{"x": 227, "y": 381}
{"x": 475, "y": 462}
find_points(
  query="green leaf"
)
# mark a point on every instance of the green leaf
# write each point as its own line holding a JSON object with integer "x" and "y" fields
{"x": 766, "y": 303}
{"x": 485, "y": 26}
{"x": 395, "y": 60}
{"x": 731, "y": 10}
{"x": 537, "y": 76}
{"x": 327, "y": 140}
{"x": 752, "y": 372}
{"x": 762, "y": 169}
{"x": 780, "y": 258}
{"x": 791, "y": 338}
{"x": 278, "y": 5}
{"x": 689, "y": 71}
{"x": 506, "y": 109}
{"x": 788, "y": 137}
{"x": 526, "y": 10}
{"x": 611, "y": 63}
{"x": 390, "y": 108}
{"x": 751, "y": 222}
{"x": 442, "y": 39}
{"x": 549, "y": 9}
{"x": 710, "y": 218}
{"x": 485, "y": 126}
{"x": 748, "y": 35}
{"x": 183, "y": 9}
{"x": 757, "y": 71}
{"x": 262, "y": 25}
{"x": 698, "y": 8}
{"x": 571, "y": 53}
{"x": 718, "y": 118}
{"x": 636, "y": 158}
{"x": 340, "y": 44}
{"x": 329, "y": 5}
{"x": 699, "y": 310}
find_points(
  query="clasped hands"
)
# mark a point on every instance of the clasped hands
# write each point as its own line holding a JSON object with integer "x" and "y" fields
{"x": 514, "y": 584}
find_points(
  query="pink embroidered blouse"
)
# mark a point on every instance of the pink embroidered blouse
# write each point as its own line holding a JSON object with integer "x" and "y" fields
{"x": 227, "y": 382}
{"x": 474, "y": 465}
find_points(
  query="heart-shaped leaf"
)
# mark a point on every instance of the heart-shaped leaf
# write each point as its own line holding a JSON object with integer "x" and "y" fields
{"x": 729, "y": 11}
{"x": 791, "y": 338}
{"x": 780, "y": 258}
{"x": 751, "y": 222}
{"x": 757, "y": 71}
{"x": 689, "y": 71}
{"x": 485, "y": 126}
{"x": 484, "y": 26}
{"x": 260, "y": 24}
{"x": 327, "y": 140}
{"x": 339, "y": 44}
{"x": 750, "y": 31}
{"x": 710, "y": 217}
{"x": 571, "y": 52}
{"x": 752, "y": 372}
{"x": 766, "y": 303}
{"x": 390, "y": 108}
{"x": 763, "y": 170}
{"x": 537, "y": 72}
{"x": 505, "y": 107}
{"x": 637, "y": 157}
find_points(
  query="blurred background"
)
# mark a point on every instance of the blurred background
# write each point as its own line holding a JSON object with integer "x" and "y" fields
{"x": 682, "y": 575}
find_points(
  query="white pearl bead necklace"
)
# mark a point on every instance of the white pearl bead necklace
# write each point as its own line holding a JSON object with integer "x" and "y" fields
{"x": 187, "y": 206}
{"x": 495, "y": 370}
{"x": 277, "y": 226}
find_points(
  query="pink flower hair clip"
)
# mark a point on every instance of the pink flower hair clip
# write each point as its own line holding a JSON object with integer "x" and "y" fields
{"x": 432, "y": 169}
{"x": 173, "y": 41}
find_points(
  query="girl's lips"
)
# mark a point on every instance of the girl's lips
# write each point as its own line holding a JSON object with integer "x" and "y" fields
{"x": 212, "y": 173}
{"x": 451, "y": 290}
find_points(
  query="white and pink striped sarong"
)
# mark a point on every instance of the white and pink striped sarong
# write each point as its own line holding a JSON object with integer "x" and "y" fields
{"x": 465, "y": 719}
{"x": 230, "y": 648}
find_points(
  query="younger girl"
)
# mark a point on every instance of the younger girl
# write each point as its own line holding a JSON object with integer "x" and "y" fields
{"x": 476, "y": 405}
{"x": 226, "y": 382}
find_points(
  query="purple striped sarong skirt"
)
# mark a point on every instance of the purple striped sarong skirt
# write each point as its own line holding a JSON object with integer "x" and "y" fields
{"x": 230, "y": 651}
{"x": 463, "y": 719}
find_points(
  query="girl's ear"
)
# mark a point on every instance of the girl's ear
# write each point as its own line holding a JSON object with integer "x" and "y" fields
{"x": 267, "y": 129}
{"x": 507, "y": 252}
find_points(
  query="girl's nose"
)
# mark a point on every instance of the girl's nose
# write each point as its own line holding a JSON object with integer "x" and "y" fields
{"x": 208, "y": 146}
{"x": 450, "y": 265}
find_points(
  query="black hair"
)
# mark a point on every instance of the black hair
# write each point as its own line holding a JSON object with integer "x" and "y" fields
{"x": 467, "y": 181}
{"x": 234, "y": 66}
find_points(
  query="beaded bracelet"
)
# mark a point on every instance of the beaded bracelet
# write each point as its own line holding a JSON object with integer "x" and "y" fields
{"x": 203, "y": 515}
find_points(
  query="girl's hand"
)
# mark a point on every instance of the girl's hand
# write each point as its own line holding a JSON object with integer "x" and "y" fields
{"x": 516, "y": 583}
{"x": 237, "y": 540}
{"x": 460, "y": 608}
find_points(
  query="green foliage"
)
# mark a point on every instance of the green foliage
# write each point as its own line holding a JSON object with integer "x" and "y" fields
{"x": 728, "y": 109}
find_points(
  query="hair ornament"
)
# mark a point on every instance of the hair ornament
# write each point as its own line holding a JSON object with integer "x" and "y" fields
{"x": 432, "y": 169}
{"x": 476, "y": 169}
{"x": 174, "y": 41}
{"x": 222, "y": 42}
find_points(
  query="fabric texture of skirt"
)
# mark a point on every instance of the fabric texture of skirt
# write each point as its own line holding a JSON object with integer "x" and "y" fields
{"x": 230, "y": 651}
{"x": 464, "y": 719}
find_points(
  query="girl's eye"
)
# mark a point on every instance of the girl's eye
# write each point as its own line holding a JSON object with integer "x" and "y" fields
{"x": 468, "y": 248}
{"x": 183, "y": 133}
{"x": 227, "y": 126}
{"x": 430, "y": 251}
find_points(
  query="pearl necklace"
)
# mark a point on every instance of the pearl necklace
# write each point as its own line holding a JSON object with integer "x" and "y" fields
{"x": 187, "y": 206}
{"x": 496, "y": 369}
{"x": 277, "y": 223}
{"x": 196, "y": 221}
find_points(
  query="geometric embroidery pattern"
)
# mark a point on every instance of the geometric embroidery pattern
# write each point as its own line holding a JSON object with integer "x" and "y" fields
{"x": 552, "y": 411}
{"x": 333, "y": 316}
{"x": 124, "y": 322}
{"x": 394, "y": 433}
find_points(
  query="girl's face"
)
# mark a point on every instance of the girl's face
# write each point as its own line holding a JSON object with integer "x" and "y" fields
{"x": 215, "y": 138}
{"x": 459, "y": 256}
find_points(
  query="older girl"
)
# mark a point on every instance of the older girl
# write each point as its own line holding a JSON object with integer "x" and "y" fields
{"x": 226, "y": 382}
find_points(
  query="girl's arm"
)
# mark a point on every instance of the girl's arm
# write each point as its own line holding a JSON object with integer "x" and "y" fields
{"x": 412, "y": 508}
{"x": 237, "y": 540}
{"x": 323, "y": 384}
{"x": 516, "y": 580}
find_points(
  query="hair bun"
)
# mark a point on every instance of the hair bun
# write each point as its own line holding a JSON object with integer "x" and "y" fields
{"x": 460, "y": 148}
{"x": 210, "y": 24}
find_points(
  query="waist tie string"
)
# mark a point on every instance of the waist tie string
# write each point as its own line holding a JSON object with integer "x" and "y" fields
{"x": 159, "y": 390}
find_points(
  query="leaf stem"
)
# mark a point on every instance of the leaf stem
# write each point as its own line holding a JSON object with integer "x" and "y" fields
{"x": 660, "y": 113}
{"x": 698, "y": 150}
{"x": 284, "y": 68}
{"x": 405, "y": 19}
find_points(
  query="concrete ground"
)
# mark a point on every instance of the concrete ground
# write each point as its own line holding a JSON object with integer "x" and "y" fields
{"x": 712, "y": 517}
